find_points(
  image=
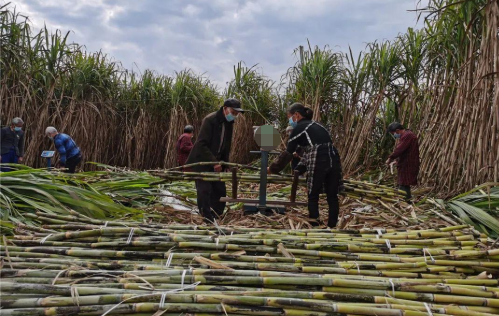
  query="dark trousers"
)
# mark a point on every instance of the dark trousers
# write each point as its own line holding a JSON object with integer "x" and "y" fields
{"x": 407, "y": 190}
{"x": 72, "y": 162}
{"x": 294, "y": 163}
{"x": 208, "y": 198}
{"x": 326, "y": 177}
{"x": 10, "y": 157}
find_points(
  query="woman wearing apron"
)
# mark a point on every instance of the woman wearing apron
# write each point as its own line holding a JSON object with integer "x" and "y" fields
{"x": 320, "y": 160}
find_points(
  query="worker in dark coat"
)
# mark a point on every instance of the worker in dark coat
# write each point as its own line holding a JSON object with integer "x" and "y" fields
{"x": 406, "y": 156}
{"x": 12, "y": 143}
{"x": 321, "y": 161}
{"x": 297, "y": 154}
{"x": 213, "y": 145}
{"x": 185, "y": 145}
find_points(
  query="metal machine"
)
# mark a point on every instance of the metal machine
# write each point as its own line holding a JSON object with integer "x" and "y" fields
{"x": 48, "y": 154}
{"x": 267, "y": 137}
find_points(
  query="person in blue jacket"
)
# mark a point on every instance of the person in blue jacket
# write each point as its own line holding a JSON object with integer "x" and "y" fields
{"x": 69, "y": 152}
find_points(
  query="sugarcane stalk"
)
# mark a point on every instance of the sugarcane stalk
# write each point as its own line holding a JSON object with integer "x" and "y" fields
{"x": 333, "y": 271}
{"x": 210, "y": 163}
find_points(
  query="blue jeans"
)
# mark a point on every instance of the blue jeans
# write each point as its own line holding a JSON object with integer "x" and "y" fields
{"x": 10, "y": 157}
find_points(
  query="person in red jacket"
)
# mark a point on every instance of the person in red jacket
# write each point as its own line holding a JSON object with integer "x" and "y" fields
{"x": 406, "y": 155}
{"x": 184, "y": 145}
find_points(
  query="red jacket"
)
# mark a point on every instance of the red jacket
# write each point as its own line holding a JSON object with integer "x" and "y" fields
{"x": 184, "y": 147}
{"x": 407, "y": 155}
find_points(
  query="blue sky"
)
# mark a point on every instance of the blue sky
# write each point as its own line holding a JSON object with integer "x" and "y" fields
{"x": 212, "y": 36}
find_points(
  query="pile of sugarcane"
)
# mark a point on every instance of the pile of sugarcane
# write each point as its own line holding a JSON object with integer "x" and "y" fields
{"x": 366, "y": 191}
{"x": 75, "y": 265}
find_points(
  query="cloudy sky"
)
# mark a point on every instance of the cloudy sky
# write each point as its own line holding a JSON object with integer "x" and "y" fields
{"x": 210, "y": 36}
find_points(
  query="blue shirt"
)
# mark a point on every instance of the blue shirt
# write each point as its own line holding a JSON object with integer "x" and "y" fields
{"x": 66, "y": 147}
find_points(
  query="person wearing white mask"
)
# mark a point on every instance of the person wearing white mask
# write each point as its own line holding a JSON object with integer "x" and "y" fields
{"x": 213, "y": 144}
{"x": 12, "y": 143}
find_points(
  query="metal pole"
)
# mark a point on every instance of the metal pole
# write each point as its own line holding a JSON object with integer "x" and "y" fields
{"x": 294, "y": 186}
{"x": 49, "y": 163}
{"x": 234, "y": 183}
{"x": 262, "y": 201}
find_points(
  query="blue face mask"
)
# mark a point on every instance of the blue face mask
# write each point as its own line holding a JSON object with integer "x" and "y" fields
{"x": 396, "y": 136}
{"x": 230, "y": 117}
{"x": 18, "y": 129}
{"x": 292, "y": 123}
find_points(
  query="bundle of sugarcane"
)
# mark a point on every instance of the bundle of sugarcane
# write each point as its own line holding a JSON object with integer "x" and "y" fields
{"x": 356, "y": 189}
{"x": 81, "y": 266}
{"x": 221, "y": 176}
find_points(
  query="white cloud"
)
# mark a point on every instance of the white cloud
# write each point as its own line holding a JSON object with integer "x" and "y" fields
{"x": 192, "y": 10}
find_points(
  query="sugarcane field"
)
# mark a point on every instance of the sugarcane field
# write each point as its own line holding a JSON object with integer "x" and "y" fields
{"x": 230, "y": 158}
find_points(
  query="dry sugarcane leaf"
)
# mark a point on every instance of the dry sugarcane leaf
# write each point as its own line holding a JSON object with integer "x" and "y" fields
{"x": 160, "y": 312}
{"x": 482, "y": 276}
{"x": 386, "y": 217}
{"x": 352, "y": 214}
{"x": 394, "y": 212}
{"x": 239, "y": 253}
{"x": 284, "y": 251}
{"x": 356, "y": 225}
{"x": 445, "y": 218}
{"x": 413, "y": 214}
{"x": 211, "y": 263}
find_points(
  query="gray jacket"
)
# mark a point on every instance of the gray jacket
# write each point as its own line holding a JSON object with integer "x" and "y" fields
{"x": 11, "y": 139}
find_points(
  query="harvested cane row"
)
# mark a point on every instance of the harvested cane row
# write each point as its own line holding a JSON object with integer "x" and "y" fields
{"x": 75, "y": 265}
{"x": 366, "y": 191}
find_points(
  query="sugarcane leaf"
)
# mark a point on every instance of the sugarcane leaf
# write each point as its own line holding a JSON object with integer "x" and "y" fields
{"x": 461, "y": 214}
{"x": 480, "y": 215}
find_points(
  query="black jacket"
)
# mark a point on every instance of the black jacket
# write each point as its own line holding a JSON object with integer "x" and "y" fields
{"x": 211, "y": 145}
{"x": 316, "y": 135}
{"x": 12, "y": 139}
